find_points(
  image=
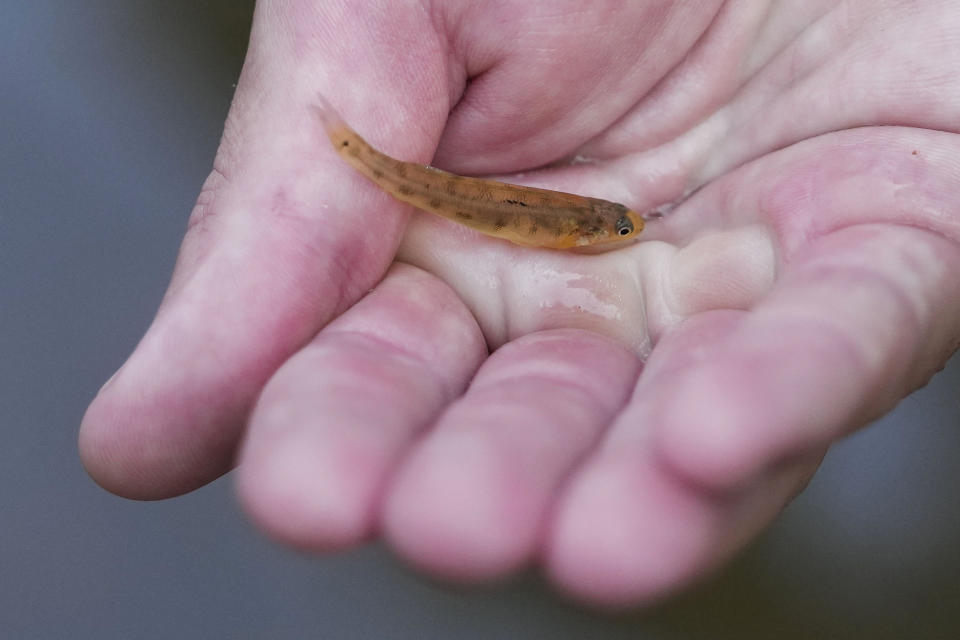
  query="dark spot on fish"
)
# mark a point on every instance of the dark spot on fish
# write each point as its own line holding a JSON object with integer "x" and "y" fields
{"x": 599, "y": 219}
{"x": 377, "y": 173}
{"x": 345, "y": 143}
{"x": 463, "y": 215}
{"x": 520, "y": 203}
{"x": 404, "y": 189}
{"x": 451, "y": 186}
{"x": 400, "y": 170}
{"x": 435, "y": 204}
{"x": 499, "y": 224}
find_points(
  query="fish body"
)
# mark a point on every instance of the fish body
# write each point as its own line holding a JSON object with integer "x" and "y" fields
{"x": 527, "y": 216}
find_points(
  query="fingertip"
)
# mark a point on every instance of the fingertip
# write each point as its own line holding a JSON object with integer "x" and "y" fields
{"x": 623, "y": 537}
{"x": 101, "y": 447}
{"x": 780, "y": 389}
{"x": 118, "y": 456}
{"x": 454, "y": 513}
{"x": 134, "y": 442}
{"x": 315, "y": 498}
{"x": 710, "y": 426}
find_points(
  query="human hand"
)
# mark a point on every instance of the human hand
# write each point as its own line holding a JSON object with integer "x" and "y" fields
{"x": 806, "y": 287}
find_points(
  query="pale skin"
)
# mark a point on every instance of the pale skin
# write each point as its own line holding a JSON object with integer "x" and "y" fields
{"x": 647, "y": 411}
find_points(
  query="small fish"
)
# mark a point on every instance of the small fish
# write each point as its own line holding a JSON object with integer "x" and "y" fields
{"x": 524, "y": 215}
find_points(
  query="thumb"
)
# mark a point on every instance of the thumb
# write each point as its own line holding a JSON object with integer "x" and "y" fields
{"x": 283, "y": 238}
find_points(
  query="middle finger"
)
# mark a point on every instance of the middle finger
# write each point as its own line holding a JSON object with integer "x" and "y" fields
{"x": 470, "y": 501}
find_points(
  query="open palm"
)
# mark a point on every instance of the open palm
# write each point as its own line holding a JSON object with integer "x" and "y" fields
{"x": 646, "y": 411}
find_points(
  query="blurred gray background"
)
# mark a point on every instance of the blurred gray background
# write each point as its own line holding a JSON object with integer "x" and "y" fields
{"x": 110, "y": 112}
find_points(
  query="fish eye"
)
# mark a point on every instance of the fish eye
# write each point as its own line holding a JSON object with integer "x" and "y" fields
{"x": 624, "y": 226}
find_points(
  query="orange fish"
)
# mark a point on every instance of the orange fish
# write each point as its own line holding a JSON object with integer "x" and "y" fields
{"x": 524, "y": 215}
